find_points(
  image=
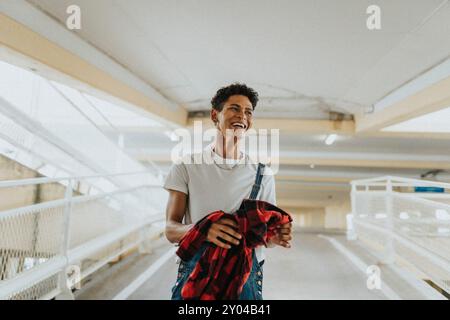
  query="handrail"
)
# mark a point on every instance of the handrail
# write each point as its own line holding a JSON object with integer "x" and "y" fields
{"x": 377, "y": 179}
{"x": 24, "y": 182}
{"x": 418, "y": 198}
{"x": 393, "y": 179}
{"x": 60, "y": 202}
{"x": 32, "y": 276}
{"x": 421, "y": 200}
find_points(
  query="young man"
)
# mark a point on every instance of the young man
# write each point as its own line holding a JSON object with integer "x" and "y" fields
{"x": 197, "y": 189}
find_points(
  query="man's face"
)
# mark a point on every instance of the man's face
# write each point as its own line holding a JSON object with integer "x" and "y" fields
{"x": 236, "y": 116}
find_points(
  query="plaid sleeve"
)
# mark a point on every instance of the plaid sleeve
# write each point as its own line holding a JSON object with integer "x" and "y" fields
{"x": 262, "y": 218}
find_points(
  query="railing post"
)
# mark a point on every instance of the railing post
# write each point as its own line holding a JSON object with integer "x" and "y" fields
{"x": 63, "y": 279}
{"x": 351, "y": 231}
{"x": 389, "y": 250}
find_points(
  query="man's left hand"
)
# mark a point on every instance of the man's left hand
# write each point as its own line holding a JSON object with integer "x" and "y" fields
{"x": 282, "y": 236}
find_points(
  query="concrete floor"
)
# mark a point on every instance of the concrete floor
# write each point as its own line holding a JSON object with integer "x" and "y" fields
{"x": 311, "y": 269}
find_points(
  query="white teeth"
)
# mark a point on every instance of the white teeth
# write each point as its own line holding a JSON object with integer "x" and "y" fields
{"x": 239, "y": 124}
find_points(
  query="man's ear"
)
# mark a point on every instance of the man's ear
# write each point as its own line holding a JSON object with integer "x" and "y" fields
{"x": 214, "y": 113}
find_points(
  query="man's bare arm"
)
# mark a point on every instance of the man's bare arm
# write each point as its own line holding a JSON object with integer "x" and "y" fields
{"x": 175, "y": 211}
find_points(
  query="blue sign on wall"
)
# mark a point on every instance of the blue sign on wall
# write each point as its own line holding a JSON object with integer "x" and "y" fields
{"x": 428, "y": 189}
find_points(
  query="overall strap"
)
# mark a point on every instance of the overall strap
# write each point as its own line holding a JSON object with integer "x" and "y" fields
{"x": 257, "y": 185}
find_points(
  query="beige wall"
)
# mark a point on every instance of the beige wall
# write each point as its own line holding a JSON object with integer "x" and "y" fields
{"x": 335, "y": 215}
{"x": 304, "y": 217}
{"x": 330, "y": 217}
{"x": 15, "y": 197}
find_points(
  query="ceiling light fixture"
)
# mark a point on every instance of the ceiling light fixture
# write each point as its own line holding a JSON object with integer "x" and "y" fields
{"x": 330, "y": 139}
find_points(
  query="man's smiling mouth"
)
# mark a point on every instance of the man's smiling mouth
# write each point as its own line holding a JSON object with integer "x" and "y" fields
{"x": 239, "y": 125}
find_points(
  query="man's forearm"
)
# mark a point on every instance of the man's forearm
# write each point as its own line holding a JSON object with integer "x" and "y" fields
{"x": 175, "y": 231}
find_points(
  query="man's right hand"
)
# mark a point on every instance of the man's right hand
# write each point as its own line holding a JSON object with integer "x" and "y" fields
{"x": 224, "y": 229}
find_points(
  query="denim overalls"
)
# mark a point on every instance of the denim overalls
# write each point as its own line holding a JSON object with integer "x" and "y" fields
{"x": 252, "y": 289}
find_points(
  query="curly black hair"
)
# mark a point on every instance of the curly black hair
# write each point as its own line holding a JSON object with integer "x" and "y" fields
{"x": 224, "y": 93}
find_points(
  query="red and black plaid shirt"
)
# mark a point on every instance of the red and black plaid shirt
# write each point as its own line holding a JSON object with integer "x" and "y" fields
{"x": 221, "y": 273}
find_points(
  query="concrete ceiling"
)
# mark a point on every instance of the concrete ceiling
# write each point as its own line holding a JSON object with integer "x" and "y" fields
{"x": 304, "y": 57}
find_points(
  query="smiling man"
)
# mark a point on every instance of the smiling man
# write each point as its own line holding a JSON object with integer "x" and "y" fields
{"x": 197, "y": 189}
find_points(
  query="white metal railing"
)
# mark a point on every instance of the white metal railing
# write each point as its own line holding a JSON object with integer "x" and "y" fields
{"x": 404, "y": 226}
{"x": 48, "y": 248}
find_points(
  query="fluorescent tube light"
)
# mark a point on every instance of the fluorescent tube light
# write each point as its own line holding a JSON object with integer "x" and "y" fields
{"x": 330, "y": 139}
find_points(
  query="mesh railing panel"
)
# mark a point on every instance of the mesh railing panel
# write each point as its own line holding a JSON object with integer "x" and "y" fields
{"x": 416, "y": 226}
{"x": 433, "y": 272}
{"x": 29, "y": 239}
{"x": 45, "y": 289}
{"x": 92, "y": 219}
{"x": 425, "y": 223}
{"x": 31, "y": 236}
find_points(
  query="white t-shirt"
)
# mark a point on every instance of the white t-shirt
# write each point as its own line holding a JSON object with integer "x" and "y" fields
{"x": 218, "y": 185}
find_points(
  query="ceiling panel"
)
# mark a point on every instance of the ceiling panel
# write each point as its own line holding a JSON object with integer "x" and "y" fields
{"x": 314, "y": 52}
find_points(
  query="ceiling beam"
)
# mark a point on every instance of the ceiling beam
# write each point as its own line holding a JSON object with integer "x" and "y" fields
{"x": 427, "y": 93}
{"x": 289, "y": 178}
{"x": 334, "y": 162}
{"x": 404, "y": 135}
{"x": 25, "y": 41}
{"x": 308, "y": 126}
{"x": 397, "y": 161}
{"x": 313, "y": 185}
{"x": 285, "y": 123}
{"x": 305, "y": 203}
{"x": 344, "y": 127}
{"x": 367, "y": 163}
